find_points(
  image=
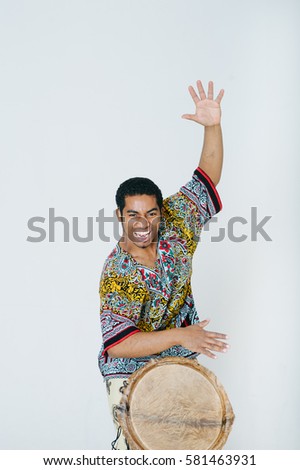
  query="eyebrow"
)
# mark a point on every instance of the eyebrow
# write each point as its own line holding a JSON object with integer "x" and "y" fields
{"x": 136, "y": 212}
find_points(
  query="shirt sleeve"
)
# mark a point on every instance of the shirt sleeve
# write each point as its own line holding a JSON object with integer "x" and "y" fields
{"x": 121, "y": 303}
{"x": 202, "y": 191}
{"x": 192, "y": 206}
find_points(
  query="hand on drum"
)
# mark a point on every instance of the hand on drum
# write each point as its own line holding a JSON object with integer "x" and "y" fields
{"x": 197, "y": 339}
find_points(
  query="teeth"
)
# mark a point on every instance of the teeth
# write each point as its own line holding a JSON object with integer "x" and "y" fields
{"x": 140, "y": 234}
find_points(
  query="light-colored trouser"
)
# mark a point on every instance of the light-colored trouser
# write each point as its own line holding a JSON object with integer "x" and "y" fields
{"x": 114, "y": 394}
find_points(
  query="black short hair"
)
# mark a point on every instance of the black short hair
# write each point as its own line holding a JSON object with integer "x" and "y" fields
{"x": 138, "y": 186}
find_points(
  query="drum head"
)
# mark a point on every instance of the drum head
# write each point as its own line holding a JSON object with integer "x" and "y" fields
{"x": 175, "y": 403}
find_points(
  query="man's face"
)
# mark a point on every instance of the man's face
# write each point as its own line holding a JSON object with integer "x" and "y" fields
{"x": 140, "y": 219}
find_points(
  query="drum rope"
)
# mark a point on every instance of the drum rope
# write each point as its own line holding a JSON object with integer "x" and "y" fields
{"x": 115, "y": 440}
{"x": 113, "y": 444}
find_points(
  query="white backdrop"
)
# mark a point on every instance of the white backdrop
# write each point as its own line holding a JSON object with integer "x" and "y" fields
{"x": 92, "y": 93}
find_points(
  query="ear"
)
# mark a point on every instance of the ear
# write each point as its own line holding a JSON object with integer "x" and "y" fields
{"x": 118, "y": 214}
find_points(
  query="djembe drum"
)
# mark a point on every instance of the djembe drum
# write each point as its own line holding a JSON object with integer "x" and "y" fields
{"x": 175, "y": 403}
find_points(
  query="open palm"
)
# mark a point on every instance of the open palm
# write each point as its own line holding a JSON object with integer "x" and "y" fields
{"x": 208, "y": 110}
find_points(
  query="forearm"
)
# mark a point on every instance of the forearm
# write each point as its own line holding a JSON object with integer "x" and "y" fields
{"x": 211, "y": 160}
{"x": 146, "y": 343}
{"x": 192, "y": 337}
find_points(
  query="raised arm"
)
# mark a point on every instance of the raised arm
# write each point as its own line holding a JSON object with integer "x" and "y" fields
{"x": 208, "y": 114}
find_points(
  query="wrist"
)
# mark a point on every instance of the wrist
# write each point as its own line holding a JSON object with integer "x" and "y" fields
{"x": 177, "y": 336}
{"x": 213, "y": 126}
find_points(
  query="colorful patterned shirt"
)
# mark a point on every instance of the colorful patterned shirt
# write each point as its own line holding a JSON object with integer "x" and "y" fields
{"x": 136, "y": 298}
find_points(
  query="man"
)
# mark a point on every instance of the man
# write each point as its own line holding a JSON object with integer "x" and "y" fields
{"x": 146, "y": 303}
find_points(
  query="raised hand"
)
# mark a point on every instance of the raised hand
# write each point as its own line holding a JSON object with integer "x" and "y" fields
{"x": 208, "y": 110}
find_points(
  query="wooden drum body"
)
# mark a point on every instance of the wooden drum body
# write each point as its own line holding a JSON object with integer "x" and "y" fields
{"x": 175, "y": 403}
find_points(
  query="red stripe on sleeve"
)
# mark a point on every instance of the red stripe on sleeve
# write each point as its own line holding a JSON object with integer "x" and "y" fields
{"x": 120, "y": 341}
{"x": 211, "y": 184}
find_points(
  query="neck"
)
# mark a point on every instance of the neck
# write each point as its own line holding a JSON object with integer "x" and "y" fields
{"x": 149, "y": 251}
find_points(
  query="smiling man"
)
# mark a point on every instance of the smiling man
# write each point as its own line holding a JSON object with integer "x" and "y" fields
{"x": 147, "y": 308}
